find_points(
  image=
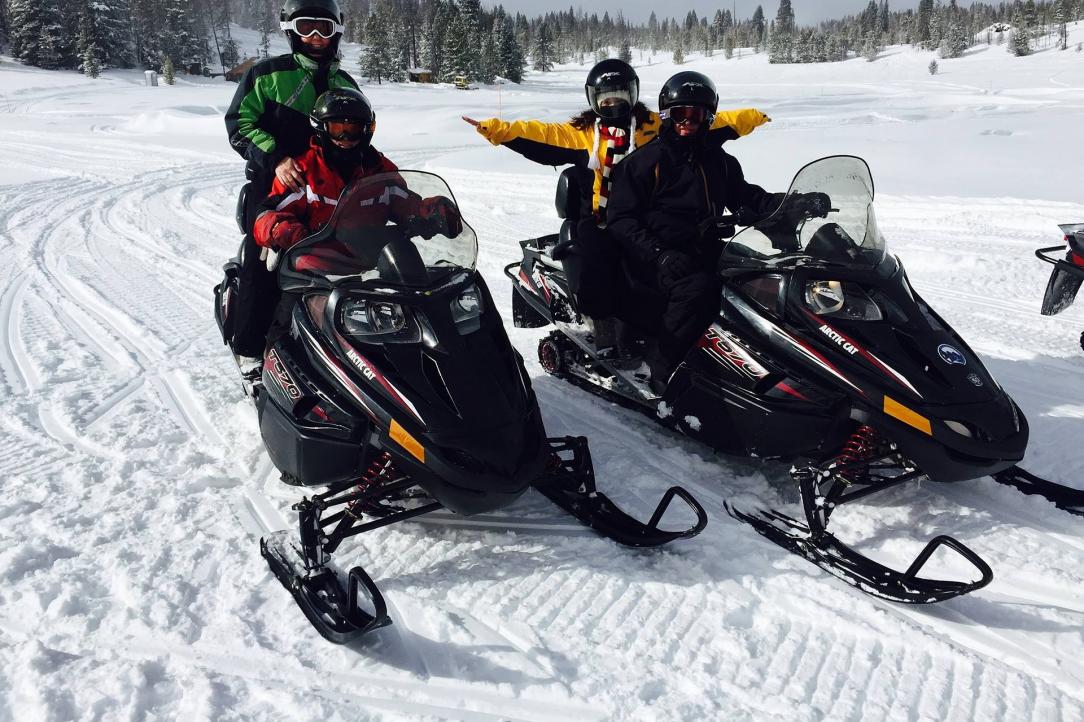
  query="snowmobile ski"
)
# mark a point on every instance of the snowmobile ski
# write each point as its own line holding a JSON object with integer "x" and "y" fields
{"x": 1064, "y": 497}
{"x": 571, "y": 486}
{"x": 334, "y": 612}
{"x": 858, "y": 570}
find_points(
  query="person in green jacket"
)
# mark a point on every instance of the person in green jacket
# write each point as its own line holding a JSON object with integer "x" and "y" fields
{"x": 268, "y": 125}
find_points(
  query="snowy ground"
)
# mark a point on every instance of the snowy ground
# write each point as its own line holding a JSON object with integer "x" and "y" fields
{"x": 131, "y": 586}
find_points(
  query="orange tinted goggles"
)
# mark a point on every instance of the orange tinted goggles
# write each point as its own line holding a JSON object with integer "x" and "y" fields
{"x": 347, "y": 129}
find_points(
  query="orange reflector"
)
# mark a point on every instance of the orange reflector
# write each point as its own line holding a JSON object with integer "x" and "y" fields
{"x": 897, "y": 410}
{"x": 407, "y": 441}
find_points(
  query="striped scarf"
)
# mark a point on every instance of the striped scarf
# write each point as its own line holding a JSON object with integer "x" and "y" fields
{"x": 616, "y": 144}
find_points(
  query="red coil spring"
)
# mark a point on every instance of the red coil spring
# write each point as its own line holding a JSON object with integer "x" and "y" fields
{"x": 379, "y": 467}
{"x": 856, "y": 451}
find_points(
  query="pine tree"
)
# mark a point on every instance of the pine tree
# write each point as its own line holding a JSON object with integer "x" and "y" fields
{"x": 167, "y": 70}
{"x": 458, "y": 55}
{"x": 781, "y": 44}
{"x": 489, "y": 64}
{"x": 375, "y": 60}
{"x": 871, "y": 46}
{"x": 1062, "y": 14}
{"x": 544, "y": 48}
{"x": 471, "y": 13}
{"x": 89, "y": 45}
{"x": 512, "y": 62}
{"x": 758, "y": 25}
{"x": 182, "y": 38}
{"x": 921, "y": 32}
{"x": 624, "y": 52}
{"x": 36, "y": 33}
{"x": 678, "y": 57}
{"x": 932, "y": 67}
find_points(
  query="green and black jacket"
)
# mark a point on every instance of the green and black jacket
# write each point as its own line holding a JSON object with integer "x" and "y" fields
{"x": 269, "y": 116}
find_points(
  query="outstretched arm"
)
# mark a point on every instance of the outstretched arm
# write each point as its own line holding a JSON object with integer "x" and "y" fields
{"x": 732, "y": 124}
{"x": 545, "y": 143}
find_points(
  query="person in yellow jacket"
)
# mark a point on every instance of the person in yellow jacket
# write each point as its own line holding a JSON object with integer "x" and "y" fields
{"x": 600, "y": 136}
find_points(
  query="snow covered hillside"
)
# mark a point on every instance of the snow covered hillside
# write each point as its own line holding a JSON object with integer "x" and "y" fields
{"x": 136, "y": 486}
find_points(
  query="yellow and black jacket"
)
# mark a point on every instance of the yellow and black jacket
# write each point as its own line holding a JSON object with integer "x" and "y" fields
{"x": 564, "y": 144}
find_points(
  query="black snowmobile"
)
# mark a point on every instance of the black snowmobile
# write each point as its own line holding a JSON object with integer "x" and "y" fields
{"x": 822, "y": 352}
{"x": 1068, "y": 273}
{"x": 398, "y": 390}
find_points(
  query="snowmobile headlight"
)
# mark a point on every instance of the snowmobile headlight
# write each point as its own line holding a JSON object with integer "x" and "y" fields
{"x": 836, "y": 299}
{"x": 467, "y": 310}
{"x": 378, "y": 320}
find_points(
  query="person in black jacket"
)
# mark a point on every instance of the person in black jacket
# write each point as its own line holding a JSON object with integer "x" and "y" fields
{"x": 664, "y": 198}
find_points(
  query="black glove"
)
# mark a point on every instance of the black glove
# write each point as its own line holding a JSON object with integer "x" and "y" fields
{"x": 815, "y": 205}
{"x": 672, "y": 266}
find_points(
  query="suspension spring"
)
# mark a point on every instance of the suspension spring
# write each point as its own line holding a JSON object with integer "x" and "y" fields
{"x": 379, "y": 469}
{"x": 857, "y": 451}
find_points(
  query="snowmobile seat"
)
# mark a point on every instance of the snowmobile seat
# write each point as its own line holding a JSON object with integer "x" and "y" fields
{"x": 242, "y": 206}
{"x": 573, "y": 202}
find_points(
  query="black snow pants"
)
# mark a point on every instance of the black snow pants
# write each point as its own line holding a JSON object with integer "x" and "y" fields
{"x": 257, "y": 290}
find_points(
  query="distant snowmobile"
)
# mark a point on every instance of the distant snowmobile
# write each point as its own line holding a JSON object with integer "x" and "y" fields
{"x": 398, "y": 390}
{"x": 1068, "y": 274}
{"x": 822, "y": 351}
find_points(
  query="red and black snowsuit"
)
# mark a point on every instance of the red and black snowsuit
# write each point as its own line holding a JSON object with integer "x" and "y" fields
{"x": 288, "y": 216}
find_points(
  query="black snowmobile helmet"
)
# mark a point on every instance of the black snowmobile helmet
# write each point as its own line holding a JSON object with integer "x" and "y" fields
{"x": 615, "y": 79}
{"x": 345, "y": 104}
{"x": 315, "y": 9}
{"x": 689, "y": 88}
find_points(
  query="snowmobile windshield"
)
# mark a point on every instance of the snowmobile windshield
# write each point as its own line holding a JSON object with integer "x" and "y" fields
{"x": 841, "y": 188}
{"x": 400, "y": 229}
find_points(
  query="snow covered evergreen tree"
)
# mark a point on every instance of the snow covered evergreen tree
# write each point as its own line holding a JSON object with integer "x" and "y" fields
{"x": 36, "y": 32}
{"x": 920, "y": 33}
{"x": 91, "y": 54}
{"x": 458, "y": 54}
{"x": 624, "y": 51}
{"x": 167, "y": 71}
{"x": 1062, "y": 15}
{"x": 781, "y": 45}
{"x": 512, "y": 62}
{"x": 543, "y": 54}
{"x": 678, "y": 57}
{"x": 758, "y": 26}
{"x": 471, "y": 13}
{"x": 376, "y": 60}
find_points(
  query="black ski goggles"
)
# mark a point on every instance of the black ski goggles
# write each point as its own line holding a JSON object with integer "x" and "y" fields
{"x": 307, "y": 27}
{"x": 687, "y": 114}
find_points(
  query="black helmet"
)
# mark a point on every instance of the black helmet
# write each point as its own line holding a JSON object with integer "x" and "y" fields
{"x": 343, "y": 104}
{"x": 316, "y": 9}
{"x": 689, "y": 88}
{"x": 616, "y": 81}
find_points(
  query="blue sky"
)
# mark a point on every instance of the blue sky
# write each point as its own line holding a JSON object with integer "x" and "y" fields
{"x": 805, "y": 12}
